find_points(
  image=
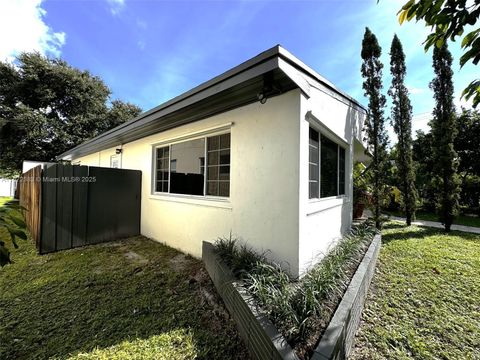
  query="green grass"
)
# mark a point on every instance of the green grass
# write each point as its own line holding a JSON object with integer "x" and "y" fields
{"x": 123, "y": 300}
{"x": 4, "y": 199}
{"x": 428, "y": 216}
{"x": 424, "y": 302}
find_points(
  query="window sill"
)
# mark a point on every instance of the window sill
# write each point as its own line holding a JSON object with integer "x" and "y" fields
{"x": 208, "y": 201}
{"x": 316, "y": 206}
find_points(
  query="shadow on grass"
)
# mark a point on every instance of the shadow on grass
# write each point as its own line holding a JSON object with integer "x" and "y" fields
{"x": 72, "y": 302}
{"x": 407, "y": 232}
{"x": 419, "y": 232}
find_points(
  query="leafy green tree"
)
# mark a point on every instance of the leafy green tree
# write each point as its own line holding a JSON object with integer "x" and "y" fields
{"x": 402, "y": 125}
{"x": 448, "y": 19}
{"x": 444, "y": 131}
{"x": 375, "y": 123}
{"x": 48, "y": 107}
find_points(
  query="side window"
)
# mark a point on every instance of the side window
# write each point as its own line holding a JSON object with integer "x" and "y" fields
{"x": 326, "y": 166}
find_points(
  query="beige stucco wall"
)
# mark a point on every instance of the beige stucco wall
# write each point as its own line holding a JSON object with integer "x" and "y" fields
{"x": 322, "y": 221}
{"x": 263, "y": 206}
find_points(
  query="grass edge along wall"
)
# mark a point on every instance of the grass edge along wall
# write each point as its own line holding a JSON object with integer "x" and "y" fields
{"x": 268, "y": 204}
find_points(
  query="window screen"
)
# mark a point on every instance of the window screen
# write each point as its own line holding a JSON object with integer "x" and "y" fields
{"x": 328, "y": 167}
{"x": 218, "y": 165}
{"x": 313, "y": 159}
{"x": 341, "y": 171}
{"x": 162, "y": 160}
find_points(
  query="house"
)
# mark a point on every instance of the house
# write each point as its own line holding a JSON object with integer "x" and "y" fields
{"x": 7, "y": 187}
{"x": 263, "y": 151}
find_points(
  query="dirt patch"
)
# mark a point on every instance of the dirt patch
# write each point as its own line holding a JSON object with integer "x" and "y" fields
{"x": 134, "y": 257}
{"x": 180, "y": 262}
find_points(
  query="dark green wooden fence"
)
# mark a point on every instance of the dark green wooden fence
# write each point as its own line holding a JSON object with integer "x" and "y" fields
{"x": 84, "y": 205}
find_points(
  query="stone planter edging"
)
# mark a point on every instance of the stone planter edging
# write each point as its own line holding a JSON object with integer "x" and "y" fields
{"x": 258, "y": 332}
{"x": 338, "y": 339}
{"x": 260, "y": 335}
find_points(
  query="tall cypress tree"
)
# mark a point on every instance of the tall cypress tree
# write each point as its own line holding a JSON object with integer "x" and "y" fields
{"x": 375, "y": 123}
{"x": 402, "y": 125}
{"x": 444, "y": 131}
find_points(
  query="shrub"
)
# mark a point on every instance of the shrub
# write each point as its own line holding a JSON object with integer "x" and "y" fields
{"x": 293, "y": 305}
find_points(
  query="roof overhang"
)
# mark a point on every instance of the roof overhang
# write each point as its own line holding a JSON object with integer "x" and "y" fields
{"x": 275, "y": 71}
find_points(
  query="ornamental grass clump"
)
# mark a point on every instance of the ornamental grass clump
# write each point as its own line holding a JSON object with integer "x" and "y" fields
{"x": 300, "y": 308}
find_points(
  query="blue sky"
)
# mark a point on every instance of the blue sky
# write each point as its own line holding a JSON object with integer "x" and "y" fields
{"x": 150, "y": 51}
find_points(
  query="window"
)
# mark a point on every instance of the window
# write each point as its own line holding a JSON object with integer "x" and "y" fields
{"x": 162, "y": 169}
{"x": 218, "y": 165}
{"x": 313, "y": 164}
{"x": 114, "y": 161}
{"x": 327, "y": 163}
{"x": 189, "y": 173}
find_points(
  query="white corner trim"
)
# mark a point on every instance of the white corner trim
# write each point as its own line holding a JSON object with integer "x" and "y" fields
{"x": 296, "y": 76}
{"x": 318, "y": 124}
{"x": 198, "y": 133}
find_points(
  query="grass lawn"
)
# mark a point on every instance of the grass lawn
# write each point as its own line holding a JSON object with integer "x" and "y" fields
{"x": 4, "y": 199}
{"x": 132, "y": 299}
{"x": 424, "y": 302}
{"x": 428, "y": 216}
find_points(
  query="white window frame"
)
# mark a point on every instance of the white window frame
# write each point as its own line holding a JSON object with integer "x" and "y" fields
{"x": 204, "y": 135}
{"x": 323, "y": 131}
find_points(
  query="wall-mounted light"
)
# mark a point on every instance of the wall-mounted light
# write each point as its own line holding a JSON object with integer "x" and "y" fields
{"x": 269, "y": 88}
{"x": 262, "y": 98}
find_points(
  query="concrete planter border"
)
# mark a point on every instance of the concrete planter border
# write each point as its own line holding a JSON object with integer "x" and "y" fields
{"x": 261, "y": 336}
{"x": 258, "y": 332}
{"x": 338, "y": 339}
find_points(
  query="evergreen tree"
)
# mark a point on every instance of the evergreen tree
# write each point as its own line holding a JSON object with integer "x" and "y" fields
{"x": 375, "y": 122}
{"x": 444, "y": 131}
{"x": 402, "y": 125}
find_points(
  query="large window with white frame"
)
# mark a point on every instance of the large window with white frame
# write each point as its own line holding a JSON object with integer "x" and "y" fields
{"x": 194, "y": 167}
{"x": 326, "y": 166}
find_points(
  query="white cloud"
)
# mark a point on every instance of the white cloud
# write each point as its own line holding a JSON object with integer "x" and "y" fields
{"x": 24, "y": 29}
{"x": 415, "y": 90}
{"x": 116, "y": 6}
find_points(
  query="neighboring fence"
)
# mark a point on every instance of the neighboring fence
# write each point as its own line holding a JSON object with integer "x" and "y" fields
{"x": 30, "y": 188}
{"x": 83, "y": 205}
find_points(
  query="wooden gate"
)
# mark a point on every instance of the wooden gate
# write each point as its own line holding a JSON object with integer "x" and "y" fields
{"x": 30, "y": 190}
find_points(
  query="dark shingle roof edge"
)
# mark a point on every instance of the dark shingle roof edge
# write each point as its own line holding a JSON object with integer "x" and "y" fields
{"x": 276, "y": 51}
